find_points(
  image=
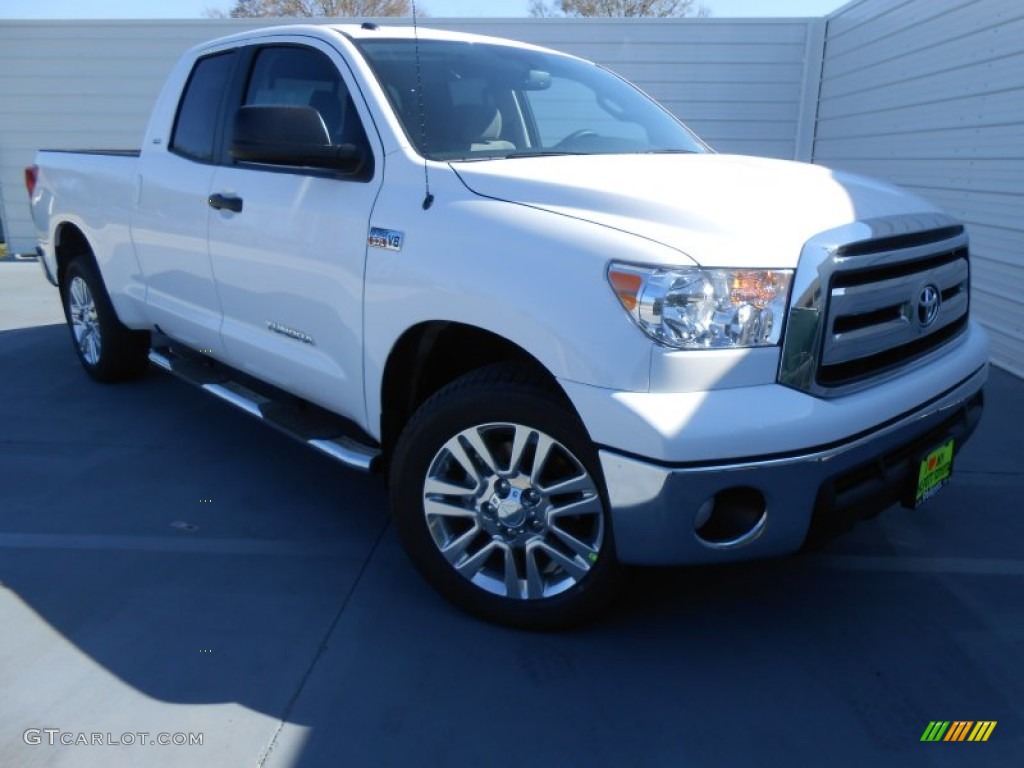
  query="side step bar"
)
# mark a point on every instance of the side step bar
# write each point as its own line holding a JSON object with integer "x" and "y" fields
{"x": 320, "y": 429}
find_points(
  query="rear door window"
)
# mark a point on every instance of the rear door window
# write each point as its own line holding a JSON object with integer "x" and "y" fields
{"x": 196, "y": 125}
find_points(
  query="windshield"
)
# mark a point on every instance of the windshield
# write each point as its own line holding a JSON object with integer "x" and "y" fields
{"x": 482, "y": 100}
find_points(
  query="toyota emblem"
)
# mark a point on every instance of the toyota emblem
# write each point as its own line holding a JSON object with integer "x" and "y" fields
{"x": 928, "y": 303}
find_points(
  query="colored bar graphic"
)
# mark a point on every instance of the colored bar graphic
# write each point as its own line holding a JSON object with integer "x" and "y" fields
{"x": 982, "y": 730}
{"x": 958, "y": 730}
{"x": 935, "y": 730}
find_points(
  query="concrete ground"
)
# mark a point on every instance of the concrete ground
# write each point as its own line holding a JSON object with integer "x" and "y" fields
{"x": 170, "y": 566}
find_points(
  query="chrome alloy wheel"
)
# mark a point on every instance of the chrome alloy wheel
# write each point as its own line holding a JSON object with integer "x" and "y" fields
{"x": 513, "y": 511}
{"x": 85, "y": 323}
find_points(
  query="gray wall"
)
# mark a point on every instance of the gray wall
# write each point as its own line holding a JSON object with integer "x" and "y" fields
{"x": 925, "y": 93}
{"x": 741, "y": 84}
{"x": 930, "y": 94}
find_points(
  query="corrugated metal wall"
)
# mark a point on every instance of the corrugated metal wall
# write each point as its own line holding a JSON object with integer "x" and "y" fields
{"x": 741, "y": 84}
{"x": 926, "y": 93}
{"x": 79, "y": 84}
{"x": 930, "y": 94}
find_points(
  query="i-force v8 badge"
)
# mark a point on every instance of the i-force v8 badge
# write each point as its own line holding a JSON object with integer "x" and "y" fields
{"x": 388, "y": 239}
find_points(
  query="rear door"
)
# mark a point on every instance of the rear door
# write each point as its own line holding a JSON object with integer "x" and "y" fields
{"x": 169, "y": 221}
{"x": 289, "y": 264}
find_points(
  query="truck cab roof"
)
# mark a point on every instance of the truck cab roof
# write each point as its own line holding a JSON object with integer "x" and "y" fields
{"x": 359, "y": 32}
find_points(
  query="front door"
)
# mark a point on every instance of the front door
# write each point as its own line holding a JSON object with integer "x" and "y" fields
{"x": 289, "y": 264}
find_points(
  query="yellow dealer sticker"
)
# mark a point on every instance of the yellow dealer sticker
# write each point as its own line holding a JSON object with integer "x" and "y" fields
{"x": 935, "y": 470}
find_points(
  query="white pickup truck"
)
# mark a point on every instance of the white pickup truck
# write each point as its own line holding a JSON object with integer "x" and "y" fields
{"x": 570, "y": 335}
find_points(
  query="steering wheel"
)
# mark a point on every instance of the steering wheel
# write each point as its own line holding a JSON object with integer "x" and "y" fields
{"x": 582, "y": 133}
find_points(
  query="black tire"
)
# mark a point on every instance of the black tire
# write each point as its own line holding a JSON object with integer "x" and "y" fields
{"x": 108, "y": 350}
{"x": 532, "y": 559}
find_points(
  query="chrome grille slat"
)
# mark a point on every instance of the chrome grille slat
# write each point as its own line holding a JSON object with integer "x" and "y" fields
{"x": 898, "y": 296}
{"x": 871, "y": 298}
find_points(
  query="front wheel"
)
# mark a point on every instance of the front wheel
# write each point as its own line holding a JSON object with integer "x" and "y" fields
{"x": 107, "y": 349}
{"x": 498, "y": 498}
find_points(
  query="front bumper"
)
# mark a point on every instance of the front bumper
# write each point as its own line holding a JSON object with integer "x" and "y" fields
{"x": 655, "y": 506}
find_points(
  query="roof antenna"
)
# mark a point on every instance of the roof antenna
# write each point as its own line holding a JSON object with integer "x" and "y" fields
{"x": 429, "y": 199}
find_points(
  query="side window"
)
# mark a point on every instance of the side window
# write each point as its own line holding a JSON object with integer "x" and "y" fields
{"x": 196, "y": 124}
{"x": 305, "y": 77}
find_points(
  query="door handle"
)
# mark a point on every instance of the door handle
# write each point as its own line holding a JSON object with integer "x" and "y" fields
{"x": 230, "y": 202}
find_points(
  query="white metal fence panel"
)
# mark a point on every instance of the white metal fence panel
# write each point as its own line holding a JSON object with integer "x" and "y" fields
{"x": 738, "y": 83}
{"x": 929, "y": 94}
{"x": 926, "y": 93}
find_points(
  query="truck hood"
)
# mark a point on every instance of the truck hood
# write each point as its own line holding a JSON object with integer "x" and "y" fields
{"x": 720, "y": 210}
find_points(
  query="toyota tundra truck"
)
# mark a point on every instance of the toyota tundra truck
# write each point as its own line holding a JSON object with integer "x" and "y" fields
{"x": 570, "y": 335}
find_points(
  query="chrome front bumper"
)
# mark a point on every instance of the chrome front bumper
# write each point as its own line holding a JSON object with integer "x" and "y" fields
{"x": 655, "y": 506}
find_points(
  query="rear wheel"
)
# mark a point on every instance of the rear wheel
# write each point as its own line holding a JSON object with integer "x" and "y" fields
{"x": 107, "y": 349}
{"x": 498, "y": 497}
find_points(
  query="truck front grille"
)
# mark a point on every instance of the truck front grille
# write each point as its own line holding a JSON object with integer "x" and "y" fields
{"x": 875, "y": 305}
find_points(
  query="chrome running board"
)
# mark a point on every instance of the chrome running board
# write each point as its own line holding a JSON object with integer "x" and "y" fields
{"x": 318, "y": 428}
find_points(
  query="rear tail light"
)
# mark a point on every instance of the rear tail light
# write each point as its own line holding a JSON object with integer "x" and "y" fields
{"x": 31, "y": 177}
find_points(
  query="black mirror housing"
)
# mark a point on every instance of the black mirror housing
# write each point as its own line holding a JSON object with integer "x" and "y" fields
{"x": 290, "y": 135}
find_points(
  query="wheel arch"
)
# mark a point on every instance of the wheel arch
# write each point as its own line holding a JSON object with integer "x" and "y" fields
{"x": 69, "y": 242}
{"x": 432, "y": 354}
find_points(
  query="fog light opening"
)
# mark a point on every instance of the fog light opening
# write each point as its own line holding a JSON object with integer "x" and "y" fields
{"x": 731, "y": 518}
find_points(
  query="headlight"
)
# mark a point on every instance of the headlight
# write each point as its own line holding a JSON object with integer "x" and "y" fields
{"x": 695, "y": 308}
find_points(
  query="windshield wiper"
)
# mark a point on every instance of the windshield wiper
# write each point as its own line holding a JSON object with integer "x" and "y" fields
{"x": 667, "y": 152}
{"x": 544, "y": 153}
{"x": 484, "y": 158}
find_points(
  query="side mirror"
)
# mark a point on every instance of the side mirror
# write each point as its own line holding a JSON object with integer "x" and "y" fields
{"x": 290, "y": 135}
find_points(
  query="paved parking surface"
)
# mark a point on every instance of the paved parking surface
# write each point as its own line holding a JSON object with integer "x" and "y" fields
{"x": 171, "y": 566}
